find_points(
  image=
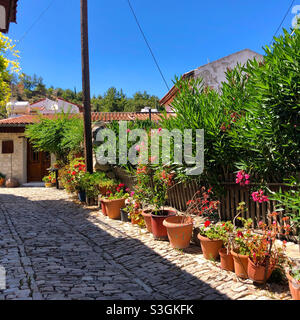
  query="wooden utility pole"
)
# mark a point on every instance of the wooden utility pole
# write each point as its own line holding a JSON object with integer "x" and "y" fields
{"x": 88, "y": 147}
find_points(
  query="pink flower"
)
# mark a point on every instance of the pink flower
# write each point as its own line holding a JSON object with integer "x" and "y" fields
{"x": 128, "y": 130}
{"x": 259, "y": 196}
{"x": 132, "y": 194}
{"x": 137, "y": 148}
{"x": 242, "y": 178}
{"x": 159, "y": 130}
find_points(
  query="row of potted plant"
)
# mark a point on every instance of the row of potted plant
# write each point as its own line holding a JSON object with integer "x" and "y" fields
{"x": 241, "y": 249}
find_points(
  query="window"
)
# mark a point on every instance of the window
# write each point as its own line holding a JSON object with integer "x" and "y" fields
{"x": 7, "y": 147}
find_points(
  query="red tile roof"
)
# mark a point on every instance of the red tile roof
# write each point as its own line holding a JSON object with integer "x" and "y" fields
{"x": 96, "y": 116}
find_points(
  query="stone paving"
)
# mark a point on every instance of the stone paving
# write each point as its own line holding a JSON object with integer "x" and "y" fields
{"x": 53, "y": 248}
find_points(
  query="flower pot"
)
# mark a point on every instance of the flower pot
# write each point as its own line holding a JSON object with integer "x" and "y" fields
{"x": 48, "y": 185}
{"x": 113, "y": 208}
{"x": 103, "y": 207}
{"x": 147, "y": 217}
{"x": 124, "y": 216}
{"x": 226, "y": 260}
{"x": 2, "y": 181}
{"x": 158, "y": 229}
{"x": 179, "y": 231}
{"x": 240, "y": 265}
{"x": 210, "y": 248}
{"x": 82, "y": 196}
{"x": 256, "y": 273}
{"x": 294, "y": 286}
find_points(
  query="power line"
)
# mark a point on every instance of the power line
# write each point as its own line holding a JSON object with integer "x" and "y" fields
{"x": 290, "y": 7}
{"x": 147, "y": 43}
{"x": 36, "y": 21}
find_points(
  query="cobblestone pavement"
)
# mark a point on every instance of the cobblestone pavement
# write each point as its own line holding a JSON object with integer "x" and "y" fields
{"x": 53, "y": 248}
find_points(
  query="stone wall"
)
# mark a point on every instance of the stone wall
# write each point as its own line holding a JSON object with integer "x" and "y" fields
{"x": 14, "y": 165}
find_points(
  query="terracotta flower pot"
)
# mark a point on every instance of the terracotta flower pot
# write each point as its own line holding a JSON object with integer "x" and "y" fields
{"x": 179, "y": 231}
{"x": 240, "y": 265}
{"x": 113, "y": 208}
{"x": 103, "y": 207}
{"x": 158, "y": 229}
{"x": 294, "y": 287}
{"x": 210, "y": 248}
{"x": 147, "y": 217}
{"x": 48, "y": 185}
{"x": 257, "y": 273}
{"x": 226, "y": 260}
{"x": 2, "y": 180}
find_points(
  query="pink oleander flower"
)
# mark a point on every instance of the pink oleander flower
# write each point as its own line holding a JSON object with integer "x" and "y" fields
{"x": 242, "y": 178}
{"x": 259, "y": 196}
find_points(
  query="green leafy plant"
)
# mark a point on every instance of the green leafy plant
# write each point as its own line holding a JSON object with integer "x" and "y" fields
{"x": 289, "y": 202}
{"x": 59, "y": 134}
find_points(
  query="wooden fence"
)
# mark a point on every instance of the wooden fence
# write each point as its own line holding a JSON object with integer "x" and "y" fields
{"x": 180, "y": 194}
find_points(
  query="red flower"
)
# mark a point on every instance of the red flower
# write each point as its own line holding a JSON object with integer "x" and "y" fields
{"x": 207, "y": 223}
{"x": 240, "y": 234}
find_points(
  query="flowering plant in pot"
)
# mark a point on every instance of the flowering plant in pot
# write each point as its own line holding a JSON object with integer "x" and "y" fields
{"x": 162, "y": 180}
{"x": 239, "y": 242}
{"x": 180, "y": 228}
{"x": 225, "y": 252}
{"x": 47, "y": 179}
{"x": 293, "y": 276}
{"x": 210, "y": 239}
{"x": 264, "y": 252}
{"x": 114, "y": 201}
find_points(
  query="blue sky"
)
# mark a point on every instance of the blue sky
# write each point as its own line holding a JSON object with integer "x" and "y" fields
{"x": 183, "y": 34}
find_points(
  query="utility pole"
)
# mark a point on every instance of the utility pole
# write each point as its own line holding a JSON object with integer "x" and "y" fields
{"x": 88, "y": 148}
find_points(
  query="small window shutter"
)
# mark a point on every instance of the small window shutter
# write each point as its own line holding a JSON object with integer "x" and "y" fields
{"x": 7, "y": 147}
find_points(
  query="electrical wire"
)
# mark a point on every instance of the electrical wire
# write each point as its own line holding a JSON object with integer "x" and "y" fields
{"x": 36, "y": 21}
{"x": 290, "y": 7}
{"x": 147, "y": 43}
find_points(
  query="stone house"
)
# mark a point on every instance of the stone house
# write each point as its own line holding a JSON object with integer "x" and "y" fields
{"x": 213, "y": 73}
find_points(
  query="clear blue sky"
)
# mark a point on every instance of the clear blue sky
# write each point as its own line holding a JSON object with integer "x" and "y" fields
{"x": 183, "y": 34}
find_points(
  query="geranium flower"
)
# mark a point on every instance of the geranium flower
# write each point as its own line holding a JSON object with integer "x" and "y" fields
{"x": 207, "y": 223}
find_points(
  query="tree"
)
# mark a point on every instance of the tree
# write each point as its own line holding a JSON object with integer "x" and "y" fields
{"x": 58, "y": 135}
{"x": 8, "y": 66}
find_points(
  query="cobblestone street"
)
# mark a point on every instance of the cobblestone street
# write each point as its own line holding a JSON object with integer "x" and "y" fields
{"x": 53, "y": 248}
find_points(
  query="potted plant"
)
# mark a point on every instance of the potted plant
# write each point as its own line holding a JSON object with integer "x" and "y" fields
{"x": 115, "y": 201}
{"x": 47, "y": 179}
{"x": 162, "y": 180}
{"x": 180, "y": 229}
{"x": 264, "y": 253}
{"x": 2, "y": 179}
{"x": 209, "y": 236}
{"x": 225, "y": 253}
{"x": 293, "y": 276}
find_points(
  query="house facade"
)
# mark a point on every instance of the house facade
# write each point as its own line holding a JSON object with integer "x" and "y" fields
{"x": 213, "y": 74}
